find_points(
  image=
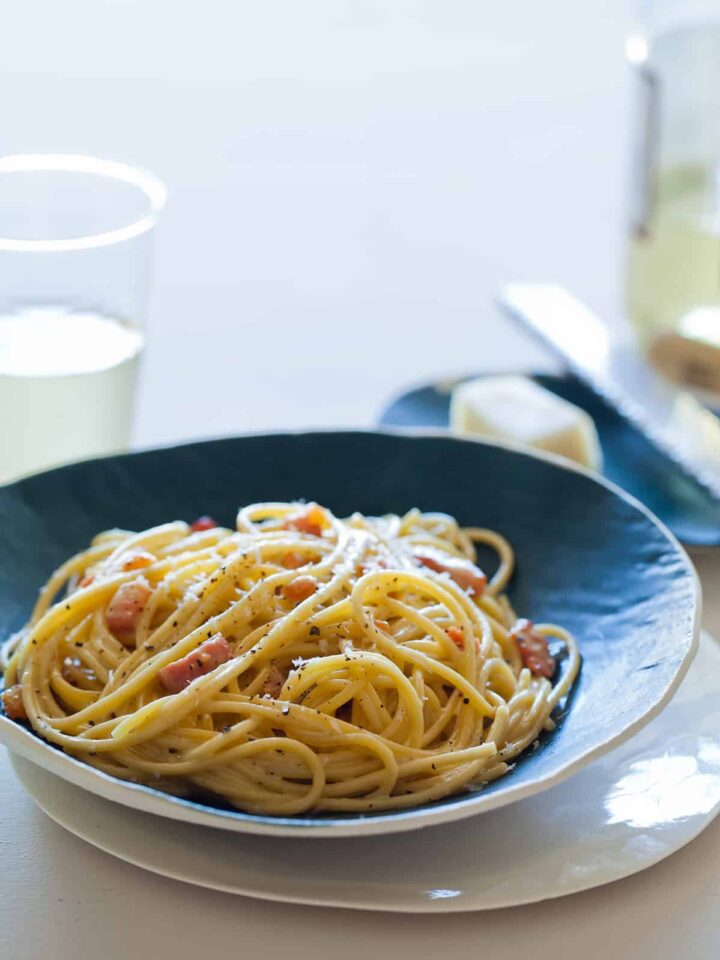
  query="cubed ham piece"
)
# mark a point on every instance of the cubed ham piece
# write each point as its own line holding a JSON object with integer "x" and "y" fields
{"x": 312, "y": 519}
{"x": 293, "y": 560}
{"x": 203, "y": 523}
{"x": 126, "y": 606}
{"x": 457, "y": 635}
{"x": 138, "y": 560}
{"x": 204, "y": 659}
{"x": 12, "y": 702}
{"x": 465, "y": 574}
{"x": 274, "y": 682}
{"x": 300, "y": 589}
{"x": 533, "y": 647}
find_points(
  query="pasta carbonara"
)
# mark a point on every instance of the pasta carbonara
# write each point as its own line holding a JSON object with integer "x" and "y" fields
{"x": 298, "y": 662}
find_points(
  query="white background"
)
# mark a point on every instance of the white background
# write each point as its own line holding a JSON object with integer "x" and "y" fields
{"x": 351, "y": 183}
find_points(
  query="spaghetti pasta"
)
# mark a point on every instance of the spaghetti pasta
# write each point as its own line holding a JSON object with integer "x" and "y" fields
{"x": 298, "y": 662}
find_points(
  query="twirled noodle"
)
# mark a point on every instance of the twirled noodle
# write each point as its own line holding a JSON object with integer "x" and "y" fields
{"x": 355, "y": 669}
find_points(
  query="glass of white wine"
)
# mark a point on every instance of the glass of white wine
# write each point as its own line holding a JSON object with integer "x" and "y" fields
{"x": 673, "y": 276}
{"x": 75, "y": 267}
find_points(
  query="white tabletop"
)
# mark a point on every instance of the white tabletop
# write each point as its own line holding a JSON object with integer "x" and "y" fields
{"x": 351, "y": 182}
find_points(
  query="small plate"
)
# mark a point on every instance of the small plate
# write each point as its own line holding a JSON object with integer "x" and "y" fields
{"x": 630, "y": 460}
{"x": 632, "y": 808}
{"x": 589, "y": 558}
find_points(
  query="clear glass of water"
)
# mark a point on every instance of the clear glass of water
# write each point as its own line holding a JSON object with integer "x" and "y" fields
{"x": 75, "y": 268}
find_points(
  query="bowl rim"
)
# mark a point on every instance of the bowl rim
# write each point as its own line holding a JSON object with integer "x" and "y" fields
{"x": 149, "y": 799}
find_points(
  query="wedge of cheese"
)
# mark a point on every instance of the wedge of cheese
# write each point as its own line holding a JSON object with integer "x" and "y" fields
{"x": 516, "y": 409}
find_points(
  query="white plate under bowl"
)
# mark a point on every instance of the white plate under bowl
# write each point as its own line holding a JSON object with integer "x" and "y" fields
{"x": 625, "y": 812}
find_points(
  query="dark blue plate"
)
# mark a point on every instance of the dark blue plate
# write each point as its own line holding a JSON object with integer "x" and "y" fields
{"x": 589, "y": 558}
{"x": 630, "y": 460}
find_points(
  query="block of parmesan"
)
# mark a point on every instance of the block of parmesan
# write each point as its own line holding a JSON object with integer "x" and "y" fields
{"x": 518, "y": 410}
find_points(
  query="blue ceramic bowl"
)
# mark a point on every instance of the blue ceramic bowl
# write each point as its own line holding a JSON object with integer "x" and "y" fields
{"x": 589, "y": 557}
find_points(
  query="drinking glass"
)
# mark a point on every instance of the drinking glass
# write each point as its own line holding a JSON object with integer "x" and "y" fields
{"x": 75, "y": 266}
{"x": 673, "y": 275}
